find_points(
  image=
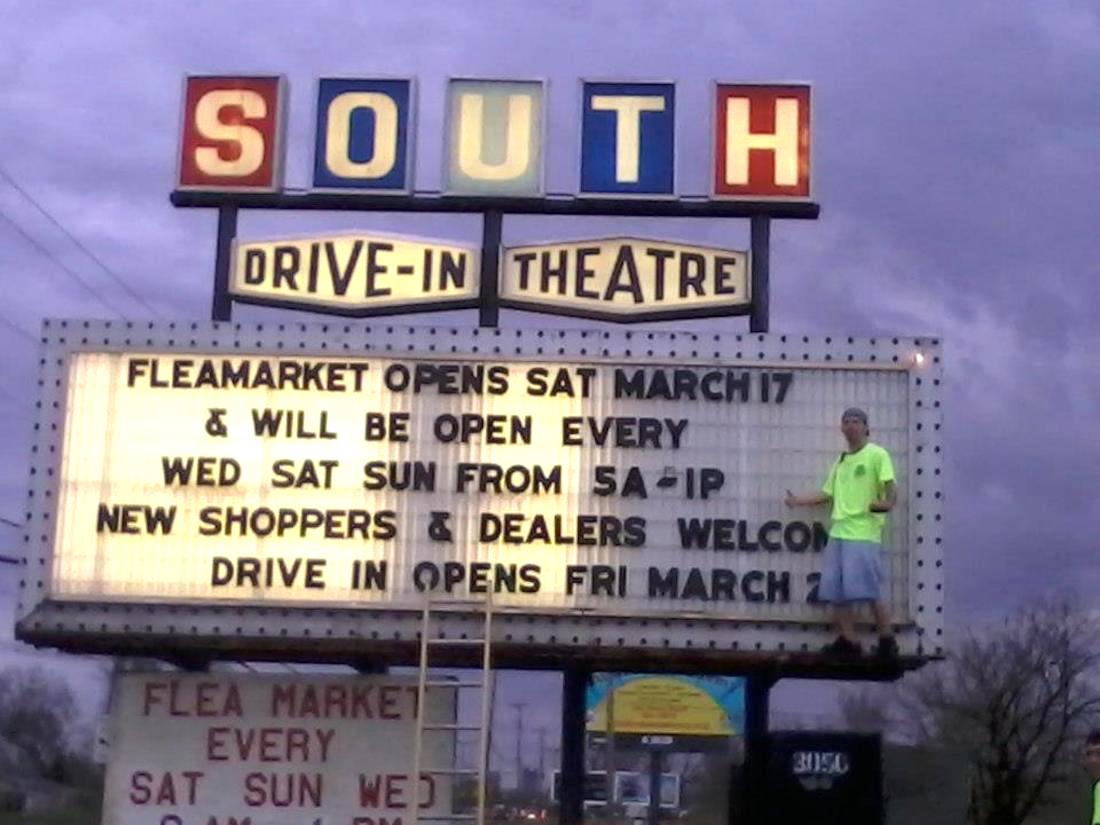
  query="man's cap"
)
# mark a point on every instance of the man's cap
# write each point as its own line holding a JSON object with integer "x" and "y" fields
{"x": 855, "y": 412}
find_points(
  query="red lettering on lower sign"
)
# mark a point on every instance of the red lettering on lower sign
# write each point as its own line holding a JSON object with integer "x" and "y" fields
{"x": 286, "y": 790}
{"x": 167, "y": 789}
{"x": 392, "y": 790}
{"x": 178, "y": 697}
{"x": 296, "y": 745}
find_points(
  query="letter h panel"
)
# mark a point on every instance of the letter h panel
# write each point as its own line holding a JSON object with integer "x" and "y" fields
{"x": 761, "y": 142}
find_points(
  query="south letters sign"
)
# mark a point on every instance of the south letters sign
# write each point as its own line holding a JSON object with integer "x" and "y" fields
{"x": 364, "y": 137}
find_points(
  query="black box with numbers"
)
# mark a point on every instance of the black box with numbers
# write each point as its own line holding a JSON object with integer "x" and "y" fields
{"x": 825, "y": 778}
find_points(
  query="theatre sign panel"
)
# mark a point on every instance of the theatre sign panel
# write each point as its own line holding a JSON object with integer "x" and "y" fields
{"x": 618, "y": 279}
{"x": 575, "y": 476}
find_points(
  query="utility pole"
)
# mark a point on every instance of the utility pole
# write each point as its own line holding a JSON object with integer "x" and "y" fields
{"x": 542, "y": 731}
{"x": 611, "y": 768}
{"x": 519, "y": 706}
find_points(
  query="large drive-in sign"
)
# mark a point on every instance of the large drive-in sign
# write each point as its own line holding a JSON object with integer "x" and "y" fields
{"x": 187, "y": 749}
{"x": 364, "y": 137}
{"x": 566, "y": 474}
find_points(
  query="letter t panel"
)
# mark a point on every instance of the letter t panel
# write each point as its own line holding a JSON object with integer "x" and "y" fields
{"x": 628, "y": 139}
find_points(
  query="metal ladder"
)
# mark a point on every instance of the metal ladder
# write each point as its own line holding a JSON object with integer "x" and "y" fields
{"x": 485, "y": 685}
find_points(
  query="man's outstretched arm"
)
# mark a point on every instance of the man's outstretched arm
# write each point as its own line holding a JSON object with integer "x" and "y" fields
{"x": 813, "y": 500}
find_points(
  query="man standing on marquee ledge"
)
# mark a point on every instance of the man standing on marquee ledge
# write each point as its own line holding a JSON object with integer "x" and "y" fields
{"x": 860, "y": 487}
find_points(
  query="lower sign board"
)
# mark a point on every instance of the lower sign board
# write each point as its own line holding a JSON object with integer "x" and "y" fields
{"x": 570, "y": 476}
{"x": 191, "y": 749}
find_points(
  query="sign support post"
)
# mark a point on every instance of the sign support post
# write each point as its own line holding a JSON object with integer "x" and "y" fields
{"x": 222, "y": 307}
{"x": 489, "y": 308}
{"x": 574, "y": 686}
{"x": 754, "y": 773}
{"x": 654, "y": 814}
{"x": 761, "y": 229}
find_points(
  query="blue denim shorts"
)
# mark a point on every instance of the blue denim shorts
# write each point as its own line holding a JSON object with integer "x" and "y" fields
{"x": 852, "y": 572}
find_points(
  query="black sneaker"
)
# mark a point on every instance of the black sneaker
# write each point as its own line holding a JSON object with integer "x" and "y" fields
{"x": 843, "y": 647}
{"x": 887, "y": 647}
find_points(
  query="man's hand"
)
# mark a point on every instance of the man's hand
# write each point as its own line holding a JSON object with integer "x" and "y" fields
{"x": 889, "y": 497}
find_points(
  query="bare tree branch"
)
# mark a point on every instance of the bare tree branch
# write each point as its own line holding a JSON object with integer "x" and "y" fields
{"x": 1015, "y": 701}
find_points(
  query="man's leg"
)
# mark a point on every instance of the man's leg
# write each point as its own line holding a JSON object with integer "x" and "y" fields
{"x": 844, "y": 617}
{"x": 882, "y": 618}
{"x": 831, "y": 590}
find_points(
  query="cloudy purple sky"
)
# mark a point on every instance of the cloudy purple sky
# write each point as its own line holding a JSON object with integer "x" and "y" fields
{"x": 955, "y": 156}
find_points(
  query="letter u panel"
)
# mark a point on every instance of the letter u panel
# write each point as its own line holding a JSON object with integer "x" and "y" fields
{"x": 364, "y": 135}
{"x": 231, "y": 136}
{"x": 494, "y": 137}
{"x": 628, "y": 139}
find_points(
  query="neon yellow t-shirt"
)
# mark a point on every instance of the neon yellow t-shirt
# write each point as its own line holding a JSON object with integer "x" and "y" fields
{"x": 855, "y": 480}
{"x": 1096, "y": 803}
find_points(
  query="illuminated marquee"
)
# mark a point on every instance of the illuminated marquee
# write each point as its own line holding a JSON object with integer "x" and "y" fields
{"x": 368, "y": 480}
{"x": 494, "y": 146}
{"x": 574, "y": 474}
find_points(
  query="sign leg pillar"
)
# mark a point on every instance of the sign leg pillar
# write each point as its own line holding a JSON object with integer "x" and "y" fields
{"x": 761, "y": 229}
{"x": 754, "y": 774}
{"x": 222, "y": 307}
{"x": 654, "y": 786}
{"x": 489, "y": 312}
{"x": 571, "y": 801}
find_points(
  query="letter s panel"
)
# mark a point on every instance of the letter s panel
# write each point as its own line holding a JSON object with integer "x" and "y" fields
{"x": 231, "y": 137}
{"x": 363, "y": 139}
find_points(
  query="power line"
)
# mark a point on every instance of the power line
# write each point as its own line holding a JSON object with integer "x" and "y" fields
{"x": 45, "y": 213}
{"x": 18, "y": 330}
{"x": 29, "y": 239}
